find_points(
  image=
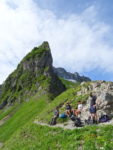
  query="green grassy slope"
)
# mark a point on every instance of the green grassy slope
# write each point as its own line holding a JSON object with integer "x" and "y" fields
{"x": 70, "y": 95}
{"x": 21, "y": 113}
{"x": 20, "y": 116}
{"x": 69, "y": 84}
{"x": 20, "y": 133}
{"x": 35, "y": 108}
{"x": 36, "y": 137}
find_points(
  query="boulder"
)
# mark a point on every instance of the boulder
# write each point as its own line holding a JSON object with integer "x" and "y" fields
{"x": 104, "y": 101}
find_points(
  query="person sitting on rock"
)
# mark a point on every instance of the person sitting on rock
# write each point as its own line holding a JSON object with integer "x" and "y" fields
{"x": 68, "y": 109}
{"x": 93, "y": 107}
{"x": 79, "y": 109}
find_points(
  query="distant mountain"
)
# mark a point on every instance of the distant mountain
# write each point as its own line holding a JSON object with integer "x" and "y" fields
{"x": 33, "y": 74}
{"x": 75, "y": 77}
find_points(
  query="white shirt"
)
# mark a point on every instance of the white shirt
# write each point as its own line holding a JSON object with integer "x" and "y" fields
{"x": 80, "y": 106}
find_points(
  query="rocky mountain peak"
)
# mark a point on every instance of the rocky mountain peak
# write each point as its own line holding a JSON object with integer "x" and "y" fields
{"x": 39, "y": 57}
{"x": 33, "y": 74}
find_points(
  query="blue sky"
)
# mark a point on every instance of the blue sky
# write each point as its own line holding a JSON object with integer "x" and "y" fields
{"x": 80, "y": 33}
{"x": 61, "y": 7}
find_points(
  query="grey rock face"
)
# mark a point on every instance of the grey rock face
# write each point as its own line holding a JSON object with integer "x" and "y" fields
{"x": 104, "y": 102}
{"x": 33, "y": 74}
{"x": 61, "y": 72}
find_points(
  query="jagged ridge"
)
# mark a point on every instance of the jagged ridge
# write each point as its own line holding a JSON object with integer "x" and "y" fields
{"x": 33, "y": 74}
{"x": 61, "y": 72}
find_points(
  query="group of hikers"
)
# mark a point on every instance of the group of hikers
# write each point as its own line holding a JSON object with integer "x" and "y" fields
{"x": 75, "y": 114}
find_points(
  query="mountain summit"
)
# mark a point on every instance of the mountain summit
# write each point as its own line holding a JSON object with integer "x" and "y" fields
{"x": 33, "y": 74}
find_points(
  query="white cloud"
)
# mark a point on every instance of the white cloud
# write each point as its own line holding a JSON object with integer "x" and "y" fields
{"x": 77, "y": 41}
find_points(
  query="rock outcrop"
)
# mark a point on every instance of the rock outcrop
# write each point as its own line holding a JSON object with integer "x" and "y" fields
{"x": 33, "y": 74}
{"x": 75, "y": 77}
{"x": 104, "y": 93}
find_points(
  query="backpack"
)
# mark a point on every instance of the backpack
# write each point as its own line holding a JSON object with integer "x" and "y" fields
{"x": 76, "y": 120}
{"x": 73, "y": 117}
{"x": 63, "y": 115}
{"x": 103, "y": 118}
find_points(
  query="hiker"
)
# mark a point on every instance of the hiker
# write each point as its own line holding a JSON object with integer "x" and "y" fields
{"x": 56, "y": 115}
{"x": 68, "y": 109}
{"x": 74, "y": 115}
{"x": 79, "y": 109}
{"x": 93, "y": 108}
